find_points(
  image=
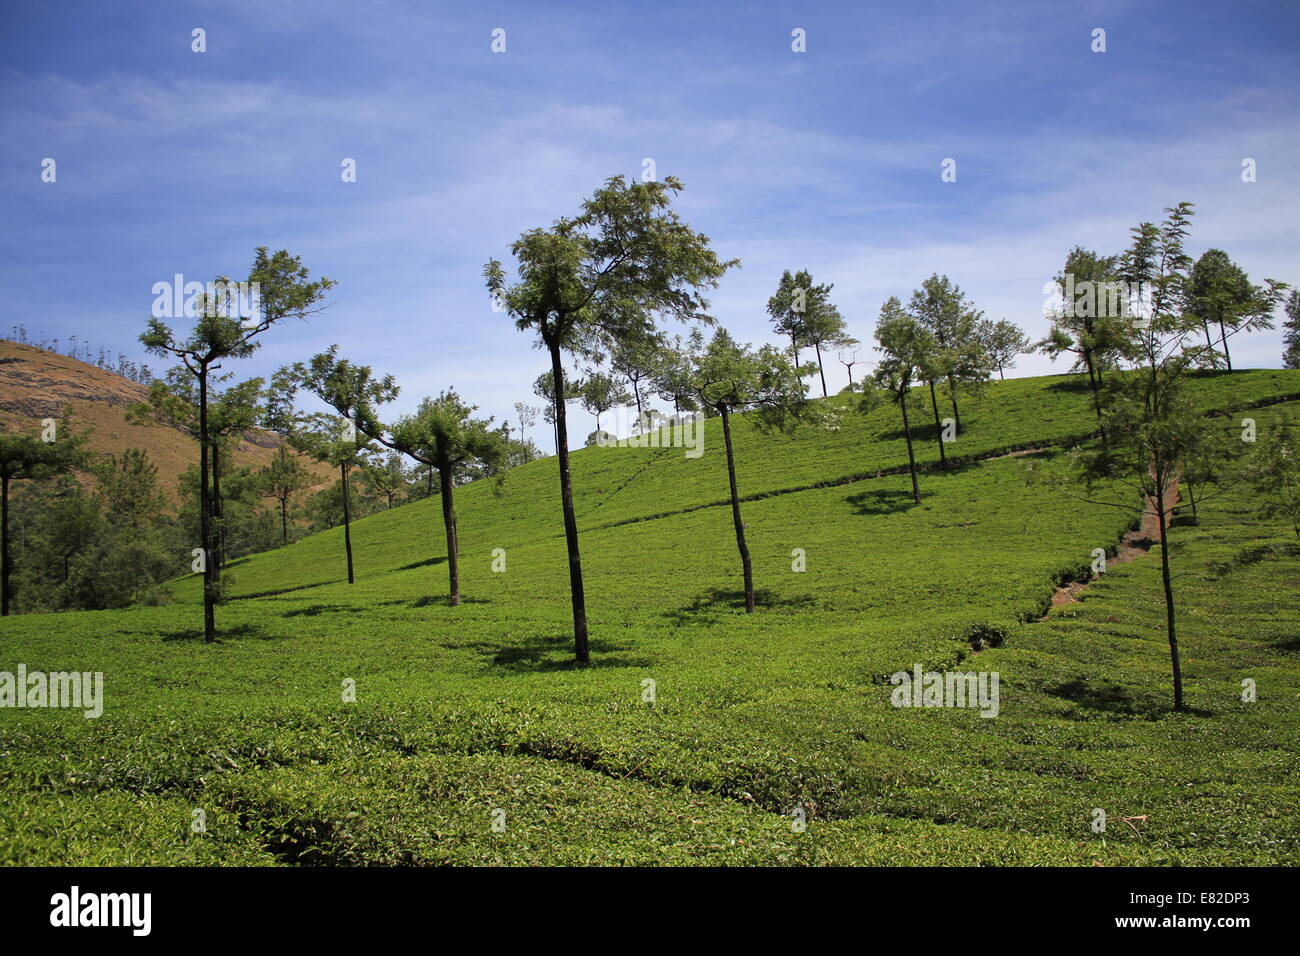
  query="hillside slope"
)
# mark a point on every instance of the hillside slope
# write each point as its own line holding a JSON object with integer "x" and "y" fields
{"x": 37, "y": 384}
{"x": 698, "y": 730}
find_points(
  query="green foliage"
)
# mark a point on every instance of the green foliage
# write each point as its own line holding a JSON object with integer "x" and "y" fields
{"x": 464, "y": 711}
{"x": 1223, "y": 299}
{"x": 1291, "y": 331}
{"x": 802, "y": 310}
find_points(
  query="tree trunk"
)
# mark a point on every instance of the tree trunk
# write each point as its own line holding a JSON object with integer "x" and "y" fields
{"x": 218, "y": 543}
{"x": 952, "y": 393}
{"x": 911, "y": 459}
{"x": 938, "y": 426}
{"x": 745, "y": 562}
{"x": 284, "y": 519}
{"x": 820, "y": 369}
{"x": 449, "y": 522}
{"x": 794, "y": 347}
{"x": 347, "y": 521}
{"x": 1223, "y": 338}
{"x": 205, "y": 516}
{"x": 579, "y": 600}
{"x": 1094, "y": 385}
{"x": 636, "y": 391}
{"x": 1169, "y": 595}
{"x": 4, "y": 546}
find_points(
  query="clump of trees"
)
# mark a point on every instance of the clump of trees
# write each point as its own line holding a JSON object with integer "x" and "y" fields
{"x": 802, "y": 310}
{"x": 26, "y": 457}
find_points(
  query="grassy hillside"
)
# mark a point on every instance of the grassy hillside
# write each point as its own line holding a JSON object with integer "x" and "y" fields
{"x": 473, "y": 715}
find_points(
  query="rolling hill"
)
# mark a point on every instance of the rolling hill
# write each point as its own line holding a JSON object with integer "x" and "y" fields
{"x": 376, "y": 724}
{"x": 36, "y": 384}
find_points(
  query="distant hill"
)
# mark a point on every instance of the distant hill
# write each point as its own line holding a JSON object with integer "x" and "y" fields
{"x": 36, "y": 384}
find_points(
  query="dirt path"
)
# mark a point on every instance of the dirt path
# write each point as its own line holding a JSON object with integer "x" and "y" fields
{"x": 1133, "y": 544}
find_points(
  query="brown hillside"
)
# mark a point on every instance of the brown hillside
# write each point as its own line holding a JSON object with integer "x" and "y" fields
{"x": 36, "y": 384}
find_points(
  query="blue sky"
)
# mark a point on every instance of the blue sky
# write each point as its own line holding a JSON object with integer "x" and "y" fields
{"x": 171, "y": 161}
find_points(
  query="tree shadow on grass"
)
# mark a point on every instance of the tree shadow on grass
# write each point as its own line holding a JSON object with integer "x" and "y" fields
{"x": 882, "y": 501}
{"x": 277, "y": 591}
{"x": 1077, "y": 384}
{"x": 442, "y": 600}
{"x": 1111, "y": 698}
{"x": 316, "y": 610}
{"x": 719, "y": 602}
{"x": 423, "y": 564}
{"x": 543, "y": 653}
{"x": 1288, "y": 644}
{"x": 237, "y": 633}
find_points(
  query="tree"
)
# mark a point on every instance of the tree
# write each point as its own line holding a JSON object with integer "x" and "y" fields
{"x": 957, "y": 357}
{"x": 849, "y": 362}
{"x": 904, "y": 343}
{"x": 1220, "y": 294}
{"x": 386, "y": 477}
{"x": 1002, "y": 341}
{"x": 283, "y": 478}
{"x": 635, "y": 359}
{"x": 729, "y": 377}
{"x": 444, "y": 434}
{"x": 593, "y": 280}
{"x": 335, "y": 441}
{"x": 29, "y": 458}
{"x": 804, "y": 311}
{"x": 1093, "y": 322}
{"x": 174, "y": 401}
{"x": 527, "y": 415}
{"x": 600, "y": 393}
{"x": 672, "y": 377}
{"x": 1152, "y": 429}
{"x": 544, "y": 388}
{"x": 284, "y": 290}
{"x": 353, "y": 392}
{"x": 1291, "y": 331}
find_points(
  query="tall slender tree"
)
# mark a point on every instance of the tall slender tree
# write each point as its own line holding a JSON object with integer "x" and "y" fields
{"x": 593, "y": 280}
{"x": 952, "y": 321}
{"x": 730, "y": 378}
{"x": 354, "y": 393}
{"x": 284, "y": 290}
{"x": 1152, "y": 429}
{"x": 444, "y": 434}
{"x": 905, "y": 345}
{"x": 1092, "y": 320}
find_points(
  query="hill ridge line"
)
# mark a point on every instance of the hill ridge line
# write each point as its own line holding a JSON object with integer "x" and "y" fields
{"x": 921, "y": 467}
